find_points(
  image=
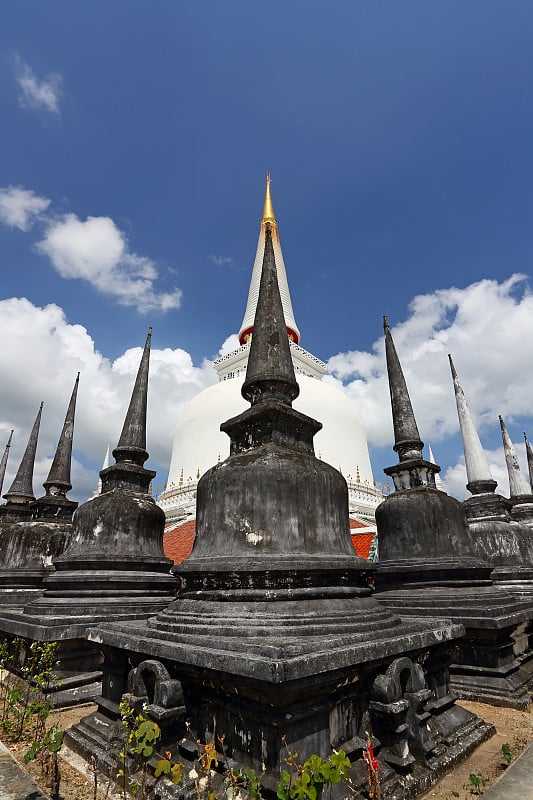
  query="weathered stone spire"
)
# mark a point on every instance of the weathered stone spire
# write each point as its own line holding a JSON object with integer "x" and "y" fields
{"x": 271, "y": 473}
{"x": 407, "y": 442}
{"x": 478, "y": 472}
{"x": 529, "y": 453}
{"x": 3, "y": 462}
{"x": 132, "y": 443}
{"x": 517, "y": 483}
{"x": 58, "y": 481}
{"x": 270, "y": 372}
{"x": 21, "y": 490}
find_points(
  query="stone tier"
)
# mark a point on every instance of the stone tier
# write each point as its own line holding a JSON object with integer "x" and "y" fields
{"x": 493, "y": 662}
{"x": 318, "y": 672}
{"x": 28, "y": 549}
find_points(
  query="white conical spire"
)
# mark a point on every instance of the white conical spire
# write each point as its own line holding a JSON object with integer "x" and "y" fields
{"x": 438, "y": 480}
{"x": 249, "y": 315}
{"x": 478, "y": 471}
{"x": 105, "y": 465}
{"x": 517, "y": 483}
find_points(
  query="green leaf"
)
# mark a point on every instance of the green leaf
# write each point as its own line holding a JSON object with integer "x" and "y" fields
{"x": 177, "y": 772}
{"x": 283, "y": 786}
{"x": 162, "y": 767}
{"x": 341, "y": 764}
{"x": 506, "y": 752}
{"x": 32, "y": 752}
{"x": 303, "y": 788}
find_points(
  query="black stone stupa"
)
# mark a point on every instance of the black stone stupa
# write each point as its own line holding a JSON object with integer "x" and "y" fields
{"x": 113, "y": 566}
{"x": 3, "y": 461}
{"x": 275, "y": 636}
{"x": 20, "y": 493}
{"x": 529, "y": 455}
{"x": 430, "y": 566}
{"x": 29, "y": 547}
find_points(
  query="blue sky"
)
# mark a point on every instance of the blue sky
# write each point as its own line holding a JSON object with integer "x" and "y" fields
{"x": 399, "y": 140}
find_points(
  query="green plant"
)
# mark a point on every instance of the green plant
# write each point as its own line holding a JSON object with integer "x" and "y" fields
{"x": 48, "y": 749}
{"x": 142, "y": 736}
{"x": 141, "y": 766}
{"x": 25, "y": 706}
{"x": 239, "y": 780}
{"x": 475, "y": 784}
{"x": 29, "y": 672}
{"x": 309, "y": 780}
{"x": 506, "y": 753}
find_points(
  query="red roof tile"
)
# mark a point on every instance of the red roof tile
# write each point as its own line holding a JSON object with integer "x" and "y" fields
{"x": 362, "y": 542}
{"x": 178, "y": 541}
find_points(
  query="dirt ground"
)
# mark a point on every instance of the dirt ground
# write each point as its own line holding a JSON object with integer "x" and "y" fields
{"x": 77, "y": 780}
{"x": 514, "y": 728}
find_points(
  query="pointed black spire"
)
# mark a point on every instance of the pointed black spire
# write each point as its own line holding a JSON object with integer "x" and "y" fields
{"x": 270, "y": 372}
{"x": 58, "y": 481}
{"x": 3, "y": 462}
{"x": 529, "y": 452}
{"x": 21, "y": 490}
{"x": 407, "y": 442}
{"x": 132, "y": 443}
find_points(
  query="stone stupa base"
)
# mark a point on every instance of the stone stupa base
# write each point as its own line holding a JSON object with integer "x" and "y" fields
{"x": 308, "y": 674}
{"x": 493, "y": 663}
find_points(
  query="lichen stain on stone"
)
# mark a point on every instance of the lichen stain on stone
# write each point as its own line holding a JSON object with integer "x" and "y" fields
{"x": 521, "y": 638}
{"x": 253, "y": 537}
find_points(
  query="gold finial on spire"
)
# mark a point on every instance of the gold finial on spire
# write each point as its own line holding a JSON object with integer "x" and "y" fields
{"x": 268, "y": 210}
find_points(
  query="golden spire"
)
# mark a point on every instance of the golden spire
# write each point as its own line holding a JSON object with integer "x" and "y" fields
{"x": 268, "y": 210}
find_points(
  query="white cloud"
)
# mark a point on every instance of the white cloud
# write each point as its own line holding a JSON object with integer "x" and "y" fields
{"x": 229, "y": 344}
{"x": 488, "y": 329}
{"x": 455, "y": 480}
{"x": 19, "y": 207}
{"x": 221, "y": 261}
{"x": 95, "y": 250}
{"x": 52, "y": 351}
{"x": 38, "y": 94}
